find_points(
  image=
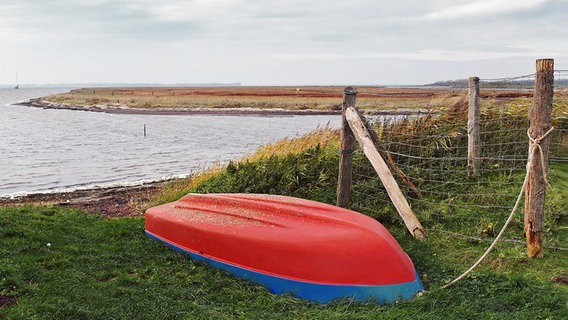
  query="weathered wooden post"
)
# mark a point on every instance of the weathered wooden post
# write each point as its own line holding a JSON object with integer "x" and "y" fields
{"x": 473, "y": 151}
{"x": 540, "y": 116}
{"x": 347, "y": 147}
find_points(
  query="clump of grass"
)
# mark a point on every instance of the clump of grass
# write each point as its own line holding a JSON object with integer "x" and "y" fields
{"x": 323, "y": 138}
{"x": 305, "y": 175}
{"x": 177, "y": 188}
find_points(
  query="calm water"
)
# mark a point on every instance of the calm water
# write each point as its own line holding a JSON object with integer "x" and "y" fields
{"x": 44, "y": 150}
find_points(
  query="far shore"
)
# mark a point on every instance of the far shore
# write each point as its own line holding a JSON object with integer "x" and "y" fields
{"x": 262, "y": 101}
{"x": 259, "y": 101}
{"x": 40, "y": 103}
{"x": 244, "y": 111}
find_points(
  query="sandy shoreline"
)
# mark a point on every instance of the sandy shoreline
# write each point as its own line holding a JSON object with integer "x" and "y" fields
{"x": 40, "y": 103}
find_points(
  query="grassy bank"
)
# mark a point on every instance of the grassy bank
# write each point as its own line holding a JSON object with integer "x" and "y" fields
{"x": 61, "y": 263}
{"x": 65, "y": 264}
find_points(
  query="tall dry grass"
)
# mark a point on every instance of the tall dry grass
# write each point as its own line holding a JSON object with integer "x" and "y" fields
{"x": 273, "y": 98}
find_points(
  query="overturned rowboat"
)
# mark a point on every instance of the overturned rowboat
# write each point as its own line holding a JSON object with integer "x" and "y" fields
{"x": 312, "y": 250}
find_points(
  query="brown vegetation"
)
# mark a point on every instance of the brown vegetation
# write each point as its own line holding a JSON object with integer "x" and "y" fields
{"x": 264, "y": 100}
{"x": 248, "y": 99}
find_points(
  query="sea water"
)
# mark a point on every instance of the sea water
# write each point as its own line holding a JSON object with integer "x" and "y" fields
{"x": 43, "y": 150}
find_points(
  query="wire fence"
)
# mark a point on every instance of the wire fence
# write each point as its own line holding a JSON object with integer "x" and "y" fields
{"x": 526, "y": 81}
{"x": 430, "y": 149}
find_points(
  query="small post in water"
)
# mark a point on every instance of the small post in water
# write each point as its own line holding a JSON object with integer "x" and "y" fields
{"x": 144, "y": 129}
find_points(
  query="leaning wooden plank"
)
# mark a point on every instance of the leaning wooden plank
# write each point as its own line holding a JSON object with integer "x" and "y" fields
{"x": 364, "y": 138}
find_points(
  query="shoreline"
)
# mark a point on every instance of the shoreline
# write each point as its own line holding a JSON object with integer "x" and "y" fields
{"x": 110, "y": 201}
{"x": 130, "y": 199}
{"x": 40, "y": 103}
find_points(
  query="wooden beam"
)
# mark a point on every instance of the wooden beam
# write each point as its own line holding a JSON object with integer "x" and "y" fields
{"x": 363, "y": 136}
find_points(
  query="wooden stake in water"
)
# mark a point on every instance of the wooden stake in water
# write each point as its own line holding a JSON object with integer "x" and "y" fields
{"x": 144, "y": 129}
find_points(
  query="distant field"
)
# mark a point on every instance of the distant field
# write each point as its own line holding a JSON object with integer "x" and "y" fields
{"x": 289, "y": 98}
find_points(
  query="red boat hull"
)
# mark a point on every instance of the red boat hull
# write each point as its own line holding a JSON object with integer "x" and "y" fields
{"x": 288, "y": 239}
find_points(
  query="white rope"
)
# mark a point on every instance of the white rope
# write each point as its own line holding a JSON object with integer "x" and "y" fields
{"x": 535, "y": 146}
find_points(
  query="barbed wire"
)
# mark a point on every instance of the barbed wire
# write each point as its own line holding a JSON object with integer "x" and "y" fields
{"x": 509, "y": 79}
{"x": 452, "y": 87}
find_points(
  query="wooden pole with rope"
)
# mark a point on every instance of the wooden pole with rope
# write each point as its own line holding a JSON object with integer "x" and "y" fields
{"x": 540, "y": 117}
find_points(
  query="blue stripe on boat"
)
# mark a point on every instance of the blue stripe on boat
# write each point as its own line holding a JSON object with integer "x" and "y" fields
{"x": 318, "y": 292}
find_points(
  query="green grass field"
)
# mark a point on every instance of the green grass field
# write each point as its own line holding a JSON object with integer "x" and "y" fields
{"x": 66, "y": 264}
{"x": 61, "y": 263}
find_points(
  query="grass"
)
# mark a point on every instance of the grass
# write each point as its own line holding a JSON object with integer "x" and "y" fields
{"x": 97, "y": 268}
{"x": 106, "y": 268}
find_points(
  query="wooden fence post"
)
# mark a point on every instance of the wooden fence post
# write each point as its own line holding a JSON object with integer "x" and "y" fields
{"x": 473, "y": 151}
{"x": 540, "y": 116}
{"x": 347, "y": 147}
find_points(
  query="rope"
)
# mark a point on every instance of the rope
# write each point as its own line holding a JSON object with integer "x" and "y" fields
{"x": 491, "y": 240}
{"x": 536, "y": 144}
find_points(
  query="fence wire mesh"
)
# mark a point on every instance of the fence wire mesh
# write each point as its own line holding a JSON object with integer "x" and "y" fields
{"x": 429, "y": 148}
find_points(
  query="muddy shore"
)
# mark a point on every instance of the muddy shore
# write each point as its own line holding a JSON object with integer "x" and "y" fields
{"x": 40, "y": 103}
{"x": 116, "y": 201}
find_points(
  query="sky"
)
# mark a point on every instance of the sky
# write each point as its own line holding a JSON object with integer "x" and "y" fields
{"x": 277, "y": 42}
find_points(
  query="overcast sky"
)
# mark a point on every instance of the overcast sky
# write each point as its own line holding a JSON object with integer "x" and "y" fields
{"x": 277, "y": 42}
